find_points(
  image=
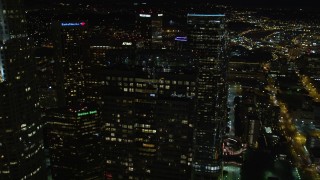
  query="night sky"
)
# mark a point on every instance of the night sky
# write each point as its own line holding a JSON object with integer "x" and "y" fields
{"x": 308, "y": 4}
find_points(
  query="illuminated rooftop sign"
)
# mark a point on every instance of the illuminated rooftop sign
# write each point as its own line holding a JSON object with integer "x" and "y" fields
{"x": 73, "y": 24}
{"x": 144, "y": 15}
{"x": 207, "y": 15}
{"x": 181, "y": 38}
{"x": 87, "y": 113}
{"x": 126, "y": 43}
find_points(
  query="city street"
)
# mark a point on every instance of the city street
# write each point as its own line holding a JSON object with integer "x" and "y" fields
{"x": 294, "y": 137}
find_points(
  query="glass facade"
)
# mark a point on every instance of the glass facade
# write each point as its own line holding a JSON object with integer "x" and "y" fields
{"x": 21, "y": 137}
{"x": 207, "y": 38}
{"x": 74, "y": 142}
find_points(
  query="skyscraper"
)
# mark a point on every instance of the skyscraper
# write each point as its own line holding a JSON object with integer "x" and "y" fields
{"x": 12, "y": 26}
{"x": 147, "y": 111}
{"x": 71, "y": 53}
{"x": 46, "y": 75}
{"x": 207, "y": 38}
{"x": 73, "y": 129}
{"x": 149, "y": 27}
{"x": 74, "y": 141}
{"x": 21, "y": 139}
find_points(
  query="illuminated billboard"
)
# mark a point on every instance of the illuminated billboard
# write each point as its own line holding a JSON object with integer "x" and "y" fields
{"x": 144, "y": 15}
{"x": 87, "y": 113}
{"x": 126, "y": 43}
{"x": 181, "y": 38}
{"x": 73, "y": 24}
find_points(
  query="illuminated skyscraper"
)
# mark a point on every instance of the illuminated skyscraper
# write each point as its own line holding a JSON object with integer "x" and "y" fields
{"x": 12, "y": 26}
{"x": 149, "y": 28}
{"x": 21, "y": 139}
{"x": 71, "y": 53}
{"x": 74, "y": 142}
{"x": 207, "y": 38}
{"x": 73, "y": 129}
{"x": 147, "y": 111}
{"x": 46, "y": 75}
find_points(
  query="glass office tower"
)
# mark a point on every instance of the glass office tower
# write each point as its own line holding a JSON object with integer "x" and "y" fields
{"x": 21, "y": 139}
{"x": 207, "y": 41}
{"x": 71, "y": 53}
{"x": 74, "y": 142}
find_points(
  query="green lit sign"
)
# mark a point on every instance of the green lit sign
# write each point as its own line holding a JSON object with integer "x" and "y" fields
{"x": 87, "y": 113}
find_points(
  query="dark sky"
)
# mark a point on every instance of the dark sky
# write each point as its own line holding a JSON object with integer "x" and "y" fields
{"x": 241, "y": 3}
{"x": 273, "y": 3}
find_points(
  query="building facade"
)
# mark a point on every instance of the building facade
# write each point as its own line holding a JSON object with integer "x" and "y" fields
{"x": 71, "y": 53}
{"x": 149, "y": 27}
{"x": 21, "y": 137}
{"x": 207, "y": 40}
{"x": 74, "y": 141}
{"x": 147, "y": 101}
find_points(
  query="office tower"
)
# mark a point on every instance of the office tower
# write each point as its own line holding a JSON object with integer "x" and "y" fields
{"x": 74, "y": 142}
{"x": 72, "y": 54}
{"x": 175, "y": 120}
{"x": 73, "y": 129}
{"x": 251, "y": 130}
{"x": 12, "y": 26}
{"x": 156, "y": 28}
{"x": 147, "y": 102}
{"x": 253, "y": 114}
{"x": 149, "y": 28}
{"x": 207, "y": 40}
{"x": 180, "y": 42}
{"x": 21, "y": 137}
{"x": 4, "y": 120}
{"x": 46, "y": 77}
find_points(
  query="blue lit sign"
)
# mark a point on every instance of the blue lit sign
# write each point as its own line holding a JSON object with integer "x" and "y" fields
{"x": 181, "y": 38}
{"x": 73, "y": 24}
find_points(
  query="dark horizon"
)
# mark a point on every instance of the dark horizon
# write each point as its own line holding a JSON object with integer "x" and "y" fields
{"x": 307, "y": 4}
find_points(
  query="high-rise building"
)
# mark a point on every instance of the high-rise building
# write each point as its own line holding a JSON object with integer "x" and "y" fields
{"x": 4, "y": 120}
{"x": 207, "y": 40}
{"x": 46, "y": 77}
{"x": 147, "y": 109}
{"x": 73, "y": 136}
{"x": 21, "y": 137}
{"x": 149, "y": 27}
{"x": 72, "y": 54}
{"x": 12, "y": 26}
{"x": 72, "y": 130}
{"x": 253, "y": 112}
